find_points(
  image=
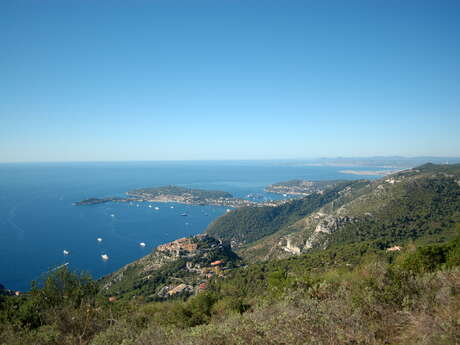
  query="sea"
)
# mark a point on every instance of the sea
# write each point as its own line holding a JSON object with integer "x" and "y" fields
{"x": 38, "y": 220}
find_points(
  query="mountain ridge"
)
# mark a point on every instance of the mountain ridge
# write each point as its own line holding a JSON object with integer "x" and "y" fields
{"x": 391, "y": 200}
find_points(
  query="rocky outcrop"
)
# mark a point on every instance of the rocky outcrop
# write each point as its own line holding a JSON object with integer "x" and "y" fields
{"x": 330, "y": 224}
{"x": 323, "y": 226}
{"x": 288, "y": 245}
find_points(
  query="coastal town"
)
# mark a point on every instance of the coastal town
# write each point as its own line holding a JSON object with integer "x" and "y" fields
{"x": 301, "y": 187}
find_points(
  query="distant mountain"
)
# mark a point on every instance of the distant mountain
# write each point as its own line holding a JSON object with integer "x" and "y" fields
{"x": 383, "y": 161}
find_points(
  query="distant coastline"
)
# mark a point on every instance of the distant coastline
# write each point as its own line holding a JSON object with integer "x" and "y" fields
{"x": 369, "y": 172}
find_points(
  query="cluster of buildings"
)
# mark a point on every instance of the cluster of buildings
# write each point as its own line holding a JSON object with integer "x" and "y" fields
{"x": 197, "y": 251}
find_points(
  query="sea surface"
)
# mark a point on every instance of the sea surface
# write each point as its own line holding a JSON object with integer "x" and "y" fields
{"x": 38, "y": 220}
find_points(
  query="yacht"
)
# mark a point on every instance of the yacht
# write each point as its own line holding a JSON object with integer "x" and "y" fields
{"x": 104, "y": 257}
{"x": 142, "y": 244}
{"x": 65, "y": 252}
{"x": 99, "y": 239}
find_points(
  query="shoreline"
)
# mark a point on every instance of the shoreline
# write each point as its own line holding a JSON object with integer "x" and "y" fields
{"x": 369, "y": 172}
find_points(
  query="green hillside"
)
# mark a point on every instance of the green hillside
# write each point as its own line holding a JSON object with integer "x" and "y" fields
{"x": 341, "y": 296}
{"x": 416, "y": 204}
{"x": 175, "y": 269}
{"x": 248, "y": 224}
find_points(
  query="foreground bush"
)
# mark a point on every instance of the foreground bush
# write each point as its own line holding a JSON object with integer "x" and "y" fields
{"x": 410, "y": 298}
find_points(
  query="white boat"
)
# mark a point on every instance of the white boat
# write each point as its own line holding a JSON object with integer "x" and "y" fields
{"x": 157, "y": 208}
{"x": 99, "y": 239}
{"x": 112, "y": 215}
{"x": 229, "y": 210}
{"x": 150, "y": 206}
{"x": 172, "y": 206}
{"x": 65, "y": 252}
{"x": 142, "y": 244}
{"x": 104, "y": 257}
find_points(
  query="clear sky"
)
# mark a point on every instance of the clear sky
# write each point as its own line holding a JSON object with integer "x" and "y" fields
{"x": 228, "y": 79}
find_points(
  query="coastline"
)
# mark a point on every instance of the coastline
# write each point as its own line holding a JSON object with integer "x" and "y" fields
{"x": 369, "y": 172}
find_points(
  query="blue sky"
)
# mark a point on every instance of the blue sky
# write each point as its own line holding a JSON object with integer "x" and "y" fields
{"x": 87, "y": 80}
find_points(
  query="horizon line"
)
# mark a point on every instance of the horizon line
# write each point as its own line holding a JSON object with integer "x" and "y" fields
{"x": 235, "y": 159}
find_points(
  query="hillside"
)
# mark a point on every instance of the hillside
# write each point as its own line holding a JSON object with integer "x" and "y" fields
{"x": 336, "y": 296}
{"x": 416, "y": 204}
{"x": 177, "y": 268}
{"x": 248, "y": 224}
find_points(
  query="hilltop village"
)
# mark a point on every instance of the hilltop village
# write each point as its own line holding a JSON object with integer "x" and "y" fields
{"x": 188, "y": 248}
{"x": 185, "y": 266}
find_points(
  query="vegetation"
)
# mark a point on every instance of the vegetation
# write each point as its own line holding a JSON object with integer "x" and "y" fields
{"x": 149, "y": 275}
{"x": 180, "y": 191}
{"x": 424, "y": 207}
{"x": 248, "y": 224}
{"x": 420, "y": 204}
{"x": 359, "y": 297}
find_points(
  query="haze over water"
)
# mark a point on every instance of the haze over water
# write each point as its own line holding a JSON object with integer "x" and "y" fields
{"x": 38, "y": 220}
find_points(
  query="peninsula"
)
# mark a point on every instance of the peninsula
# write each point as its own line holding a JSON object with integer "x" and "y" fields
{"x": 302, "y": 187}
{"x": 177, "y": 194}
{"x": 94, "y": 201}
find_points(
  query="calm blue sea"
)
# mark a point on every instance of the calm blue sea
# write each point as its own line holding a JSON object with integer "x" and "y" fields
{"x": 38, "y": 220}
